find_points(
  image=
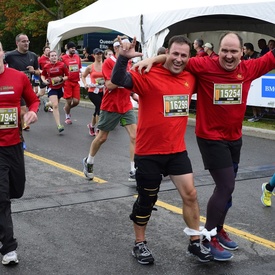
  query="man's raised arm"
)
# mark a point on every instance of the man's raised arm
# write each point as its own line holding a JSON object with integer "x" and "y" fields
{"x": 120, "y": 76}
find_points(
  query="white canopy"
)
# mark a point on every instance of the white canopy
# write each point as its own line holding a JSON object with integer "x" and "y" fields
{"x": 151, "y": 20}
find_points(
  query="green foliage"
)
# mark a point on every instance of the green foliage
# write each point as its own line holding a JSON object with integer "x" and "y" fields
{"x": 32, "y": 17}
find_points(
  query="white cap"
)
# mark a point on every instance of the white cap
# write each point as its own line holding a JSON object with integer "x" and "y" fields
{"x": 208, "y": 45}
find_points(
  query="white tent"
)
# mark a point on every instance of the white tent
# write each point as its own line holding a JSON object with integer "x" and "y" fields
{"x": 151, "y": 20}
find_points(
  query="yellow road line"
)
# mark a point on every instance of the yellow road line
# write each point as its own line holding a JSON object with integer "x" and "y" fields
{"x": 243, "y": 234}
{"x": 61, "y": 166}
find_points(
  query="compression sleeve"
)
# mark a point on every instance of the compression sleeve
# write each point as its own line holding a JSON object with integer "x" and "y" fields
{"x": 120, "y": 76}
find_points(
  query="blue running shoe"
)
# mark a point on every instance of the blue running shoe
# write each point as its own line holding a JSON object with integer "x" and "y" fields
{"x": 216, "y": 250}
{"x": 225, "y": 241}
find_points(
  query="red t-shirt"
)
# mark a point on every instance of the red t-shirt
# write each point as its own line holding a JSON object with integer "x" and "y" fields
{"x": 73, "y": 64}
{"x": 116, "y": 100}
{"x": 53, "y": 70}
{"x": 201, "y": 53}
{"x": 42, "y": 61}
{"x": 14, "y": 85}
{"x": 163, "y": 100}
{"x": 216, "y": 120}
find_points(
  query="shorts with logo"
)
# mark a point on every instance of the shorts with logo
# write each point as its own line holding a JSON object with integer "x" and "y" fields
{"x": 218, "y": 154}
{"x": 109, "y": 120}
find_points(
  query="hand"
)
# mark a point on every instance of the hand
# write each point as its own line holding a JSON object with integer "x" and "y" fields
{"x": 127, "y": 48}
{"x": 31, "y": 69}
{"x": 30, "y": 117}
{"x": 146, "y": 63}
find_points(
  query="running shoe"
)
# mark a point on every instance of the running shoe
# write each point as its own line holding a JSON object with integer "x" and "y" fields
{"x": 225, "y": 241}
{"x": 132, "y": 176}
{"x": 88, "y": 169}
{"x": 91, "y": 130}
{"x": 10, "y": 258}
{"x": 198, "y": 250}
{"x": 266, "y": 196}
{"x": 68, "y": 121}
{"x": 216, "y": 250}
{"x": 142, "y": 253}
{"x": 60, "y": 128}
{"x": 50, "y": 109}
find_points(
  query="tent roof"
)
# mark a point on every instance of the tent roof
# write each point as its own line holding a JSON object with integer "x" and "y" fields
{"x": 147, "y": 18}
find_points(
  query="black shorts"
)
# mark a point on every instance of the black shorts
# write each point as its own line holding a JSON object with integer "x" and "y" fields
{"x": 57, "y": 92}
{"x": 218, "y": 154}
{"x": 171, "y": 164}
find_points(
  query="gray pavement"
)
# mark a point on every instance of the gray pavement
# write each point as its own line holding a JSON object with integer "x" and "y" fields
{"x": 67, "y": 225}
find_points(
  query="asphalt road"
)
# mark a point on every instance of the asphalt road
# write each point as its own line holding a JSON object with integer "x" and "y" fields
{"x": 67, "y": 225}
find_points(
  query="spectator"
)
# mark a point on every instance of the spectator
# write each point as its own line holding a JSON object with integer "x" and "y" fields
{"x": 250, "y": 53}
{"x": 161, "y": 50}
{"x": 271, "y": 44}
{"x": 263, "y": 46}
{"x": 87, "y": 57}
{"x": 198, "y": 47}
{"x": 209, "y": 49}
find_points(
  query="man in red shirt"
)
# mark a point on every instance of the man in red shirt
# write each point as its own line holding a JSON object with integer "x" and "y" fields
{"x": 71, "y": 86}
{"x": 164, "y": 99}
{"x": 198, "y": 43}
{"x": 13, "y": 86}
{"x": 223, "y": 86}
{"x": 209, "y": 49}
{"x": 116, "y": 107}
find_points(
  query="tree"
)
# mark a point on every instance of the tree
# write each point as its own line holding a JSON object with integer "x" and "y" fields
{"x": 32, "y": 17}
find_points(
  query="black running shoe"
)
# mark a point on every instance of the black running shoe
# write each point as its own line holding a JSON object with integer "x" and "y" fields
{"x": 203, "y": 254}
{"x": 142, "y": 253}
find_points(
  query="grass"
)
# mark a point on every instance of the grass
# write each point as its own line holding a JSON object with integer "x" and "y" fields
{"x": 265, "y": 123}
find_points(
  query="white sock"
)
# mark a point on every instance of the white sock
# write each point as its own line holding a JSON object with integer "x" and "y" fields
{"x": 90, "y": 159}
{"x": 133, "y": 166}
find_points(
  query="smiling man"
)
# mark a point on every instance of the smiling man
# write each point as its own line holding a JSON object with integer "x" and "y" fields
{"x": 164, "y": 98}
{"x": 223, "y": 86}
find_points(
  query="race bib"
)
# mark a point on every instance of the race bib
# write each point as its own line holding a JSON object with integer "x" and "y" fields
{"x": 226, "y": 94}
{"x": 176, "y": 105}
{"x": 73, "y": 68}
{"x": 8, "y": 118}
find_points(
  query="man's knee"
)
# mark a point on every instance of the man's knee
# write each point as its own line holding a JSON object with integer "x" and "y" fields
{"x": 148, "y": 188}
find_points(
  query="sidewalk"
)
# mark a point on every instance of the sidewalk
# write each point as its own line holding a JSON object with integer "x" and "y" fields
{"x": 247, "y": 131}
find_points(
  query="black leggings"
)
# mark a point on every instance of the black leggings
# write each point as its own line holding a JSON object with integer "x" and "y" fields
{"x": 96, "y": 100}
{"x": 221, "y": 199}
